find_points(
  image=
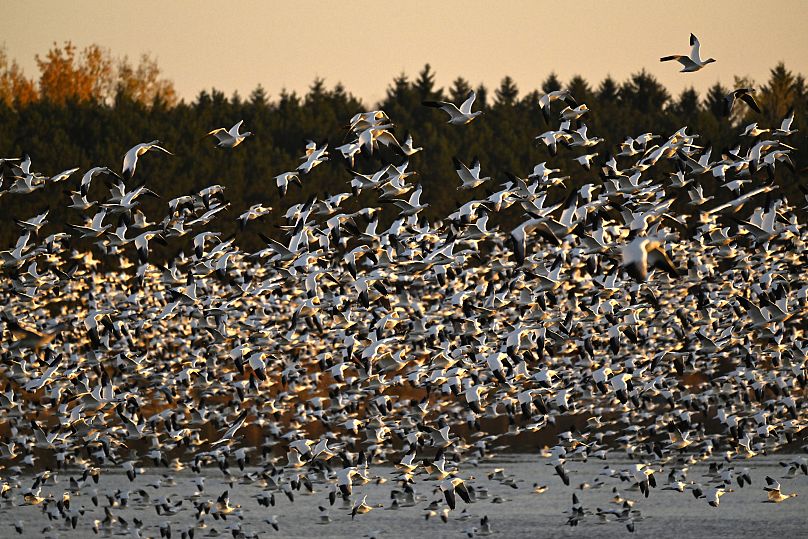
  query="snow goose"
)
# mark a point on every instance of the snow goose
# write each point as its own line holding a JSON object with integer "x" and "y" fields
{"x": 775, "y": 493}
{"x": 469, "y": 176}
{"x": 457, "y": 116}
{"x": 785, "y": 126}
{"x": 547, "y": 99}
{"x": 230, "y": 138}
{"x": 644, "y": 253}
{"x": 131, "y": 157}
{"x": 744, "y": 94}
{"x": 689, "y": 63}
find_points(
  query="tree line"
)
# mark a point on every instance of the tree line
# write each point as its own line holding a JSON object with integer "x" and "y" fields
{"x": 87, "y": 108}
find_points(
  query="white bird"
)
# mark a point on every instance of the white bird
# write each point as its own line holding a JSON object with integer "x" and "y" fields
{"x": 283, "y": 181}
{"x": 95, "y": 228}
{"x": 230, "y": 138}
{"x": 469, "y": 176}
{"x": 84, "y": 186}
{"x": 62, "y": 176}
{"x": 314, "y": 156}
{"x": 131, "y": 157}
{"x": 752, "y": 130}
{"x": 775, "y": 495}
{"x": 457, "y": 116}
{"x": 572, "y": 114}
{"x": 586, "y": 160}
{"x": 407, "y": 149}
{"x": 411, "y": 206}
{"x": 689, "y": 63}
{"x": 643, "y": 254}
{"x": 237, "y": 424}
{"x": 34, "y": 223}
{"x": 785, "y": 127}
{"x": 547, "y": 99}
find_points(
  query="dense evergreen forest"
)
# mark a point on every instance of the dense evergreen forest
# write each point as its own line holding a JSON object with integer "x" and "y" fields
{"x": 88, "y": 110}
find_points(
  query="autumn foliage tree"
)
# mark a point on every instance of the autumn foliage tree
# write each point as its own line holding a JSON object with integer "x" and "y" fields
{"x": 143, "y": 83}
{"x": 15, "y": 87}
{"x": 90, "y": 75}
{"x": 65, "y": 74}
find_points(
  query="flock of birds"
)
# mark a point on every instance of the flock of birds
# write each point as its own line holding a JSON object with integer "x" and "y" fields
{"x": 606, "y": 322}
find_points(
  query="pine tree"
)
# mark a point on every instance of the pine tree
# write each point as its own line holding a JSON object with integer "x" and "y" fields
{"x": 644, "y": 93}
{"x": 714, "y": 100}
{"x": 259, "y": 97}
{"x": 482, "y": 96}
{"x": 607, "y": 91}
{"x": 425, "y": 85}
{"x": 551, "y": 83}
{"x": 460, "y": 90}
{"x": 580, "y": 89}
{"x": 687, "y": 105}
{"x": 781, "y": 92}
{"x": 507, "y": 92}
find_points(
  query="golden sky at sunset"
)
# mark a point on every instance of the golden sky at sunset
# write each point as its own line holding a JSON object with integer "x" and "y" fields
{"x": 235, "y": 45}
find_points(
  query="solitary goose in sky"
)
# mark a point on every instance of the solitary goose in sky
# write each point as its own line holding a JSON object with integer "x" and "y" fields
{"x": 457, "y": 116}
{"x": 689, "y": 63}
{"x": 231, "y": 138}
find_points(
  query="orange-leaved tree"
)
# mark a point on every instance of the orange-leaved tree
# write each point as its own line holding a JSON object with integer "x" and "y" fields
{"x": 15, "y": 87}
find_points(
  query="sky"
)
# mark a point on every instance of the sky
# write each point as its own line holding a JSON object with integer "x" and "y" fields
{"x": 235, "y": 45}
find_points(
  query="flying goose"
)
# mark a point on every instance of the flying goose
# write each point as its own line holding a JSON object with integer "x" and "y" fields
{"x": 469, "y": 176}
{"x": 230, "y": 138}
{"x": 689, "y": 63}
{"x": 30, "y": 338}
{"x": 744, "y": 94}
{"x": 547, "y": 99}
{"x": 775, "y": 494}
{"x": 644, "y": 254}
{"x": 785, "y": 126}
{"x": 457, "y": 116}
{"x": 131, "y": 157}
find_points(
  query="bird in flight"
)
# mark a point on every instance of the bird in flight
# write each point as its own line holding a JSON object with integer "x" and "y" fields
{"x": 230, "y": 138}
{"x": 457, "y": 116}
{"x": 690, "y": 63}
{"x": 744, "y": 94}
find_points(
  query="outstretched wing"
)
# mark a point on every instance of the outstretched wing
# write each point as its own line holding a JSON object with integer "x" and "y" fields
{"x": 658, "y": 258}
{"x": 465, "y": 108}
{"x": 750, "y": 100}
{"x": 235, "y": 129}
{"x": 694, "y": 48}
